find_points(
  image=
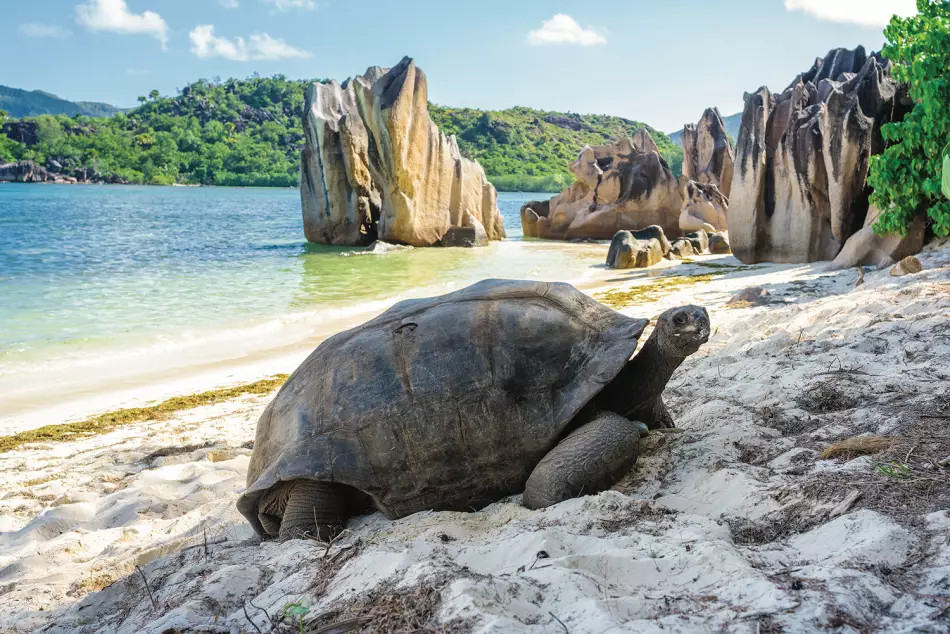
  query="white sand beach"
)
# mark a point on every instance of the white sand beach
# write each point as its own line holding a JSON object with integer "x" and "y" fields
{"x": 736, "y": 524}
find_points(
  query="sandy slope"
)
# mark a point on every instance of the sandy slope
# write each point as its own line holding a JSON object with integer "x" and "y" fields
{"x": 729, "y": 526}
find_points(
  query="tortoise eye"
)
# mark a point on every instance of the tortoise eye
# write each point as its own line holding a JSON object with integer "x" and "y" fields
{"x": 680, "y": 319}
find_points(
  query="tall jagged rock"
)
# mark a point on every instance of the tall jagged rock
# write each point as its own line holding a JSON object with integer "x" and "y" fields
{"x": 800, "y": 186}
{"x": 708, "y": 157}
{"x": 375, "y": 166}
{"x": 624, "y": 185}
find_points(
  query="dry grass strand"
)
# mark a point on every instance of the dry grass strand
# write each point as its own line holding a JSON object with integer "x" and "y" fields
{"x": 857, "y": 446}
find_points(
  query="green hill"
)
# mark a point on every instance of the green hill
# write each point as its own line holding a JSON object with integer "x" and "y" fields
{"x": 31, "y": 103}
{"x": 523, "y": 149}
{"x": 245, "y": 133}
{"x": 249, "y": 132}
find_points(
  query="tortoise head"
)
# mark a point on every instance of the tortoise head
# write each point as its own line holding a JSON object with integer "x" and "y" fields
{"x": 682, "y": 330}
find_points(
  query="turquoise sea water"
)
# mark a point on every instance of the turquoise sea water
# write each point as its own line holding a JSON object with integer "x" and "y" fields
{"x": 92, "y": 271}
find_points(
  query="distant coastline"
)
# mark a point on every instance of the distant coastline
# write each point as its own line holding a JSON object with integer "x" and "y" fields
{"x": 250, "y": 133}
{"x": 28, "y": 173}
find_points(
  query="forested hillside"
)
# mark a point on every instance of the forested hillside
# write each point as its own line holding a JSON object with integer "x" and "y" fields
{"x": 523, "y": 149}
{"x": 249, "y": 133}
{"x": 230, "y": 132}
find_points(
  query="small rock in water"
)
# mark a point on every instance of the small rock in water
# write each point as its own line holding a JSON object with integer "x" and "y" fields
{"x": 471, "y": 222}
{"x": 653, "y": 232}
{"x": 907, "y": 266}
{"x": 626, "y": 252}
{"x": 649, "y": 253}
{"x": 460, "y": 237}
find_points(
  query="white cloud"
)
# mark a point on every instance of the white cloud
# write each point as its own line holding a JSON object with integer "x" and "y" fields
{"x": 35, "y": 29}
{"x": 229, "y": 4}
{"x": 260, "y": 47}
{"x": 871, "y": 13}
{"x": 264, "y": 46}
{"x": 287, "y": 5}
{"x": 207, "y": 44}
{"x": 114, "y": 15}
{"x": 562, "y": 29}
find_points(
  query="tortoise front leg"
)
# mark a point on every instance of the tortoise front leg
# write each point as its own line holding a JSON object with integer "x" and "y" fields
{"x": 589, "y": 460}
{"x": 661, "y": 416}
{"x": 314, "y": 510}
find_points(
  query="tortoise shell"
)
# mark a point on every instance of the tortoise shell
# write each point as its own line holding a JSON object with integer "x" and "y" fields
{"x": 443, "y": 403}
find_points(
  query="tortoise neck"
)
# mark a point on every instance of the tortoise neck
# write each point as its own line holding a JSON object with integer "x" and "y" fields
{"x": 633, "y": 393}
{"x": 652, "y": 366}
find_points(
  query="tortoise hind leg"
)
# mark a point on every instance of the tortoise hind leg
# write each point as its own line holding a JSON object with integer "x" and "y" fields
{"x": 315, "y": 510}
{"x": 592, "y": 458}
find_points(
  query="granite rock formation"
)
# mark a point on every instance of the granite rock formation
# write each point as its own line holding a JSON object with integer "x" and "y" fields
{"x": 708, "y": 158}
{"x": 800, "y": 191}
{"x": 682, "y": 248}
{"x": 704, "y": 207}
{"x": 866, "y": 248}
{"x": 653, "y": 232}
{"x": 23, "y": 172}
{"x": 699, "y": 241}
{"x": 719, "y": 243}
{"x": 626, "y": 185}
{"x": 30, "y": 172}
{"x": 627, "y": 252}
{"x": 375, "y": 166}
{"x": 470, "y": 234}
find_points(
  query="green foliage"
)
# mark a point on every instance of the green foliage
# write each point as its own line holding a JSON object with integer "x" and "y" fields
{"x": 906, "y": 177}
{"x": 896, "y": 469}
{"x": 522, "y": 149}
{"x": 298, "y": 610}
{"x": 7, "y": 146}
{"x": 245, "y": 133}
{"x": 524, "y": 183}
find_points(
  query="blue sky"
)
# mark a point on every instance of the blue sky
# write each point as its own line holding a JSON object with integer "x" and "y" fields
{"x": 660, "y": 62}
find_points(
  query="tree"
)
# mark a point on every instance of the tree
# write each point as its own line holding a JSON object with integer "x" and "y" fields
{"x": 8, "y": 149}
{"x": 906, "y": 176}
{"x": 142, "y": 99}
{"x": 154, "y": 95}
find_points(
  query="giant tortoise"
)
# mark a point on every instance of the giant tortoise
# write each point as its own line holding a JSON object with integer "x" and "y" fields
{"x": 454, "y": 402}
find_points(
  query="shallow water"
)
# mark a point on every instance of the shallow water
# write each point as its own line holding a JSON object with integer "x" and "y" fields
{"x": 94, "y": 273}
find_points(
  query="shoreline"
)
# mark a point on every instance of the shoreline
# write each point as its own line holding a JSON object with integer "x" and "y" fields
{"x": 744, "y": 489}
{"x": 292, "y": 187}
{"x": 39, "y": 397}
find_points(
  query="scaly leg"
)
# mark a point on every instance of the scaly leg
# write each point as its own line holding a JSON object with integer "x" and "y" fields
{"x": 315, "y": 510}
{"x": 591, "y": 459}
